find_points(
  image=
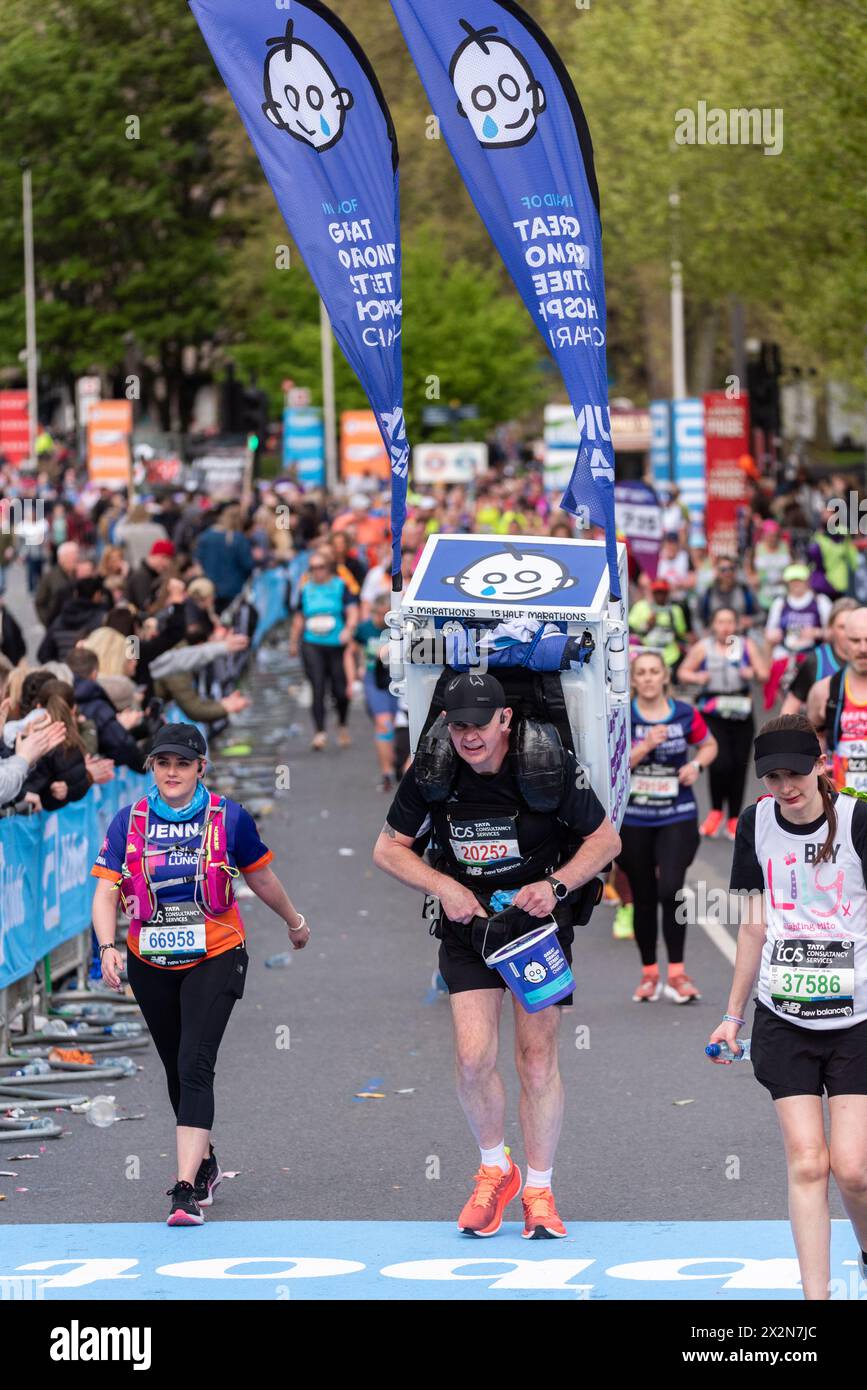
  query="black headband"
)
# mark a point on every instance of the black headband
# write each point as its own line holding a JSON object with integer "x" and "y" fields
{"x": 791, "y": 749}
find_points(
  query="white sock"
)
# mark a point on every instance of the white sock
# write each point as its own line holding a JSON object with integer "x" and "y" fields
{"x": 536, "y": 1178}
{"x": 496, "y": 1157}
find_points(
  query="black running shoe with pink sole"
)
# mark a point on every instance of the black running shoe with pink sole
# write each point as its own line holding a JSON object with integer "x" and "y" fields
{"x": 208, "y": 1179}
{"x": 185, "y": 1209}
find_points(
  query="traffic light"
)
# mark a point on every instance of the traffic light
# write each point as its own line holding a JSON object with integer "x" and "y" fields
{"x": 254, "y": 418}
{"x": 763, "y": 385}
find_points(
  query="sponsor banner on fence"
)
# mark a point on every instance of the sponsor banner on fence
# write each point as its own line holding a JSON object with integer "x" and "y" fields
{"x": 660, "y": 441}
{"x": 639, "y": 519}
{"x": 688, "y": 437}
{"x": 14, "y": 426}
{"x": 727, "y": 440}
{"x": 50, "y": 903}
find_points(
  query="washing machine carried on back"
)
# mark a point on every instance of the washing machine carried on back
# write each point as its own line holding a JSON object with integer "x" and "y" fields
{"x": 536, "y": 612}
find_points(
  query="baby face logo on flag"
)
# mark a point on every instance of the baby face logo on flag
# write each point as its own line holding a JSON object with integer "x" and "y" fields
{"x": 302, "y": 94}
{"x": 496, "y": 88}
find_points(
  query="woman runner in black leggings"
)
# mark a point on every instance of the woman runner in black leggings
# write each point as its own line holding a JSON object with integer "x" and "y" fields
{"x": 659, "y": 833}
{"x": 186, "y": 959}
{"x": 723, "y": 664}
{"x": 324, "y": 624}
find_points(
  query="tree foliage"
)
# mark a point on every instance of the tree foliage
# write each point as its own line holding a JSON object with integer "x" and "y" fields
{"x": 171, "y": 237}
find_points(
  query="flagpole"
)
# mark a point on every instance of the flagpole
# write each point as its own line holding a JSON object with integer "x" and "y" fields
{"x": 329, "y": 411}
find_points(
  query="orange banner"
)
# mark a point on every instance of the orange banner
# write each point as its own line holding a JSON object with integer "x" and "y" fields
{"x": 362, "y": 451}
{"x": 109, "y": 427}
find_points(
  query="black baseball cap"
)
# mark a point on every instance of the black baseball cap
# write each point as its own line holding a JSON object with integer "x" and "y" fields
{"x": 183, "y": 739}
{"x": 472, "y": 698}
{"x": 792, "y": 750}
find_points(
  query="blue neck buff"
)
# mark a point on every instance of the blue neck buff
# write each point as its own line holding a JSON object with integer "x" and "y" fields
{"x": 175, "y": 813}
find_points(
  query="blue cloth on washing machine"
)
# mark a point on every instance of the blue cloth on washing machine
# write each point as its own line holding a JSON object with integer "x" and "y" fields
{"x": 526, "y": 642}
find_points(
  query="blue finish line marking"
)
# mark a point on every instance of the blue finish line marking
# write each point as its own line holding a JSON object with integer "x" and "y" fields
{"x": 691, "y": 1261}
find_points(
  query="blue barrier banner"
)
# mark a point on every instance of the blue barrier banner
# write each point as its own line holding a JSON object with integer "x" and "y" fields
{"x": 512, "y": 119}
{"x": 269, "y": 597}
{"x": 20, "y": 895}
{"x": 45, "y": 860}
{"x": 319, "y": 123}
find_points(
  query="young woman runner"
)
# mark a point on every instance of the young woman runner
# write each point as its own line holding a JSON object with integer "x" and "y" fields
{"x": 801, "y": 852}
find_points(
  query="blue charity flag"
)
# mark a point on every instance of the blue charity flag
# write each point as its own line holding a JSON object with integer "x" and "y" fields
{"x": 512, "y": 119}
{"x": 319, "y": 123}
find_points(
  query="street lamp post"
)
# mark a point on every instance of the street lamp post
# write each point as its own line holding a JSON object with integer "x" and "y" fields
{"x": 30, "y": 312}
{"x": 678, "y": 333}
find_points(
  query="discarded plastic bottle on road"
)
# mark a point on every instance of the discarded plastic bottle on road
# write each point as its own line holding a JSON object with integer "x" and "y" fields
{"x": 126, "y": 1064}
{"x": 36, "y": 1124}
{"x": 123, "y": 1029}
{"x": 102, "y": 1112}
{"x": 57, "y": 1028}
{"x": 723, "y": 1050}
{"x": 39, "y": 1067}
{"x": 279, "y": 962}
{"x": 98, "y": 1013}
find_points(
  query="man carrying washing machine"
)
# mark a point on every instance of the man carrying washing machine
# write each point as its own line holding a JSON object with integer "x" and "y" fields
{"x": 473, "y": 786}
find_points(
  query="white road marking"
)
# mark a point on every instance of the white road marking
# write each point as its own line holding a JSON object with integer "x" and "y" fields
{"x": 720, "y": 938}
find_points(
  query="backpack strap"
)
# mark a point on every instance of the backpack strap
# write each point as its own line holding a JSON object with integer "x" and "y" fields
{"x": 138, "y": 810}
{"x": 834, "y": 707}
{"x": 213, "y": 849}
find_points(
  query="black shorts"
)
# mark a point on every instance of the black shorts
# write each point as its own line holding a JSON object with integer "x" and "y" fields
{"x": 463, "y": 968}
{"x": 793, "y": 1061}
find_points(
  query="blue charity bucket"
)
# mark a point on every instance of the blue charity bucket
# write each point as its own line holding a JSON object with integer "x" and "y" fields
{"x": 535, "y": 968}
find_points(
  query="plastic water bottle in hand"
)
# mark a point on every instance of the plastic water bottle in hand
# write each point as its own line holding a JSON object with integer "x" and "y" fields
{"x": 721, "y": 1049}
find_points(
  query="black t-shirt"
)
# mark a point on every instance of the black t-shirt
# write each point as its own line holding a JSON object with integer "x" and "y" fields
{"x": 747, "y": 874}
{"x": 579, "y": 814}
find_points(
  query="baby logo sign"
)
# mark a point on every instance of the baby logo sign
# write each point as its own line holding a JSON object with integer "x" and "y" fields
{"x": 496, "y": 88}
{"x": 512, "y": 574}
{"x": 302, "y": 94}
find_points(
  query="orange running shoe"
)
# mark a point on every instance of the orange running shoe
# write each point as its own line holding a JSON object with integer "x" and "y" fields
{"x": 732, "y": 827}
{"x": 541, "y": 1221}
{"x": 648, "y": 991}
{"x": 681, "y": 990}
{"x": 494, "y": 1190}
{"x": 711, "y": 823}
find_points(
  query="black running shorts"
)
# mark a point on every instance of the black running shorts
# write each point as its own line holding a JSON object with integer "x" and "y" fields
{"x": 463, "y": 968}
{"x": 793, "y": 1061}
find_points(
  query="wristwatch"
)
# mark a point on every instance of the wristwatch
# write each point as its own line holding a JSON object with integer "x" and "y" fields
{"x": 561, "y": 892}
